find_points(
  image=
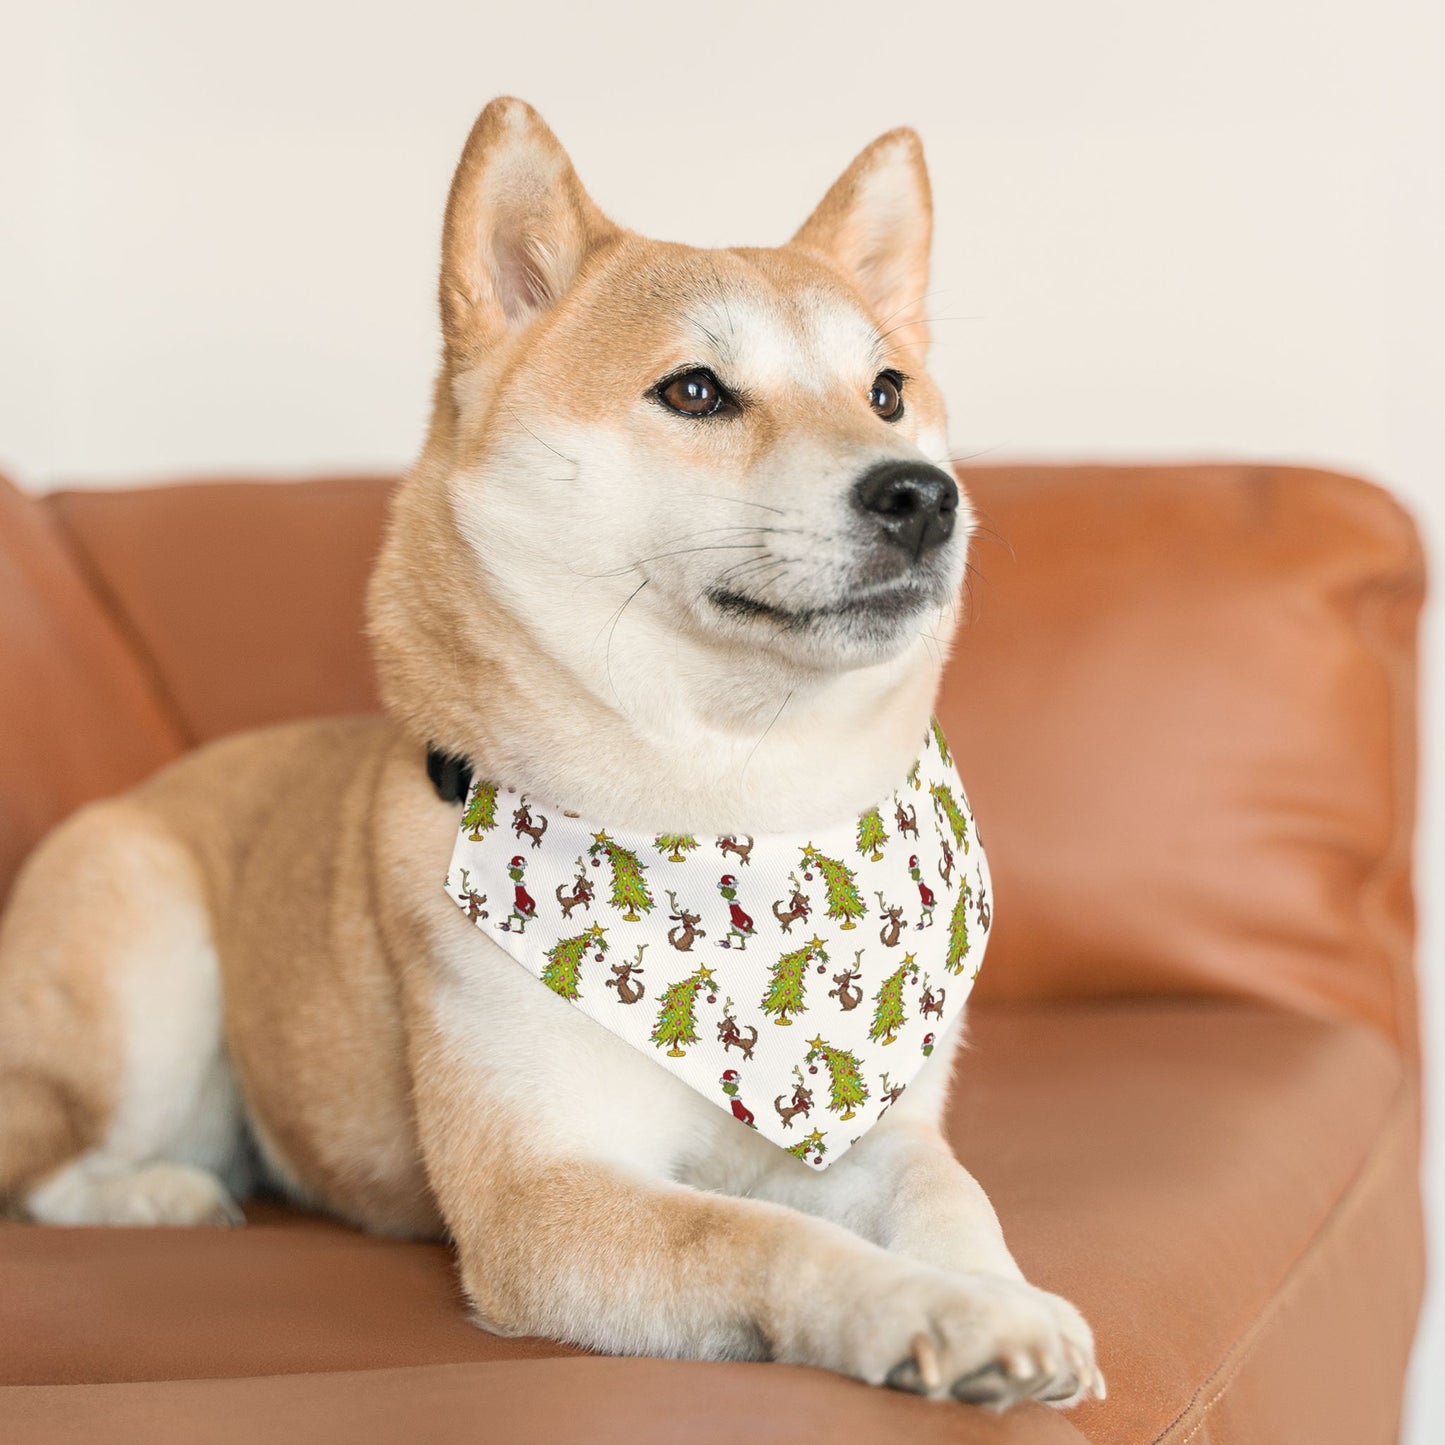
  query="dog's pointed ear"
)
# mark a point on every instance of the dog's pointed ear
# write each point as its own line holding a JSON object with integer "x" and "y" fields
{"x": 877, "y": 223}
{"x": 518, "y": 228}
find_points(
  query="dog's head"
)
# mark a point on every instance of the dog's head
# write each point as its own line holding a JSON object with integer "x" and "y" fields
{"x": 738, "y": 451}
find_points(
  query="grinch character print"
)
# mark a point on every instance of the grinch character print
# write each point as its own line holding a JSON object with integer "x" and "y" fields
{"x": 524, "y": 906}
{"x": 742, "y": 926}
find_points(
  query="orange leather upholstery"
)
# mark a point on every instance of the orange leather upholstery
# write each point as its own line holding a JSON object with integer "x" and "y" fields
{"x": 79, "y": 715}
{"x": 1184, "y": 708}
{"x": 246, "y": 597}
{"x": 1186, "y": 717}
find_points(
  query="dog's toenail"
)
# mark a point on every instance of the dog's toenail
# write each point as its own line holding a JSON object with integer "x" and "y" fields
{"x": 905, "y": 1376}
{"x": 1065, "y": 1390}
{"x": 988, "y": 1386}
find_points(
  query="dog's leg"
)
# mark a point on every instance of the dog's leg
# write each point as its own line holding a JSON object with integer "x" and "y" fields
{"x": 555, "y": 1239}
{"x": 901, "y": 1188}
{"x": 589, "y": 1253}
{"x": 116, "y": 1103}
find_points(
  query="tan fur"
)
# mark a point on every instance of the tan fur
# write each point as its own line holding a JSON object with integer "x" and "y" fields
{"x": 262, "y": 943}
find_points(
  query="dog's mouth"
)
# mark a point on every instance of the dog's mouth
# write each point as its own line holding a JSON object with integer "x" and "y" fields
{"x": 888, "y": 604}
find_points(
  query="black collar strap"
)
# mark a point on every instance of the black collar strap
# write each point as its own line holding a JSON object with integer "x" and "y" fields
{"x": 450, "y": 775}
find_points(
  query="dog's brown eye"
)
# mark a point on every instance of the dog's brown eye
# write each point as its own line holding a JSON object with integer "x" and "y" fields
{"x": 694, "y": 393}
{"x": 886, "y": 398}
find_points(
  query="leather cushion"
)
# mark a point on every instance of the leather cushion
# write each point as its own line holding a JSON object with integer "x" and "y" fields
{"x": 1174, "y": 1169}
{"x": 247, "y": 595}
{"x": 79, "y": 716}
{"x": 1184, "y": 710}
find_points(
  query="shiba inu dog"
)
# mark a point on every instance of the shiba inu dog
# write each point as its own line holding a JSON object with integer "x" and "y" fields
{"x": 677, "y": 552}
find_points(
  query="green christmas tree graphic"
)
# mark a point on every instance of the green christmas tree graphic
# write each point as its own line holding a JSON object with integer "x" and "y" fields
{"x": 677, "y": 1016}
{"x": 564, "y": 960}
{"x": 958, "y": 931}
{"x": 789, "y": 982}
{"x": 912, "y": 778}
{"x": 813, "y": 1145}
{"x": 481, "y": 813}
{"x": 889, "y": 1015}
{"x": 942, "y": 742}
{"x": 846, "y": 1089}
{"x": 951, "y": 813}
{"x": 871, "y": 834}
{"x": 844, "y": 900}
{"x": 676, "y": 845}
{"x": 629, "y": 890}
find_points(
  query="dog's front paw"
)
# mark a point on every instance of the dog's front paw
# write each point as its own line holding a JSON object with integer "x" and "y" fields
{"x": 981, "y": 1338}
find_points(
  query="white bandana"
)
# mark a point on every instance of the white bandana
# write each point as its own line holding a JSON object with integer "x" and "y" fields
{"x": 798, "y": 982}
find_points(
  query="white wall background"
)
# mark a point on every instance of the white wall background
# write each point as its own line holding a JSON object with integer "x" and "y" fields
{"x": 1163, "y": 229}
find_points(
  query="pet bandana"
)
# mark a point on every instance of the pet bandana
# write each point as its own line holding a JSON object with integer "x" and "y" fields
{"x": 798, "y": 981}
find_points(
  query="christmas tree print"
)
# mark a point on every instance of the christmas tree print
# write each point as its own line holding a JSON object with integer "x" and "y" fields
{"x": 785, "y": 992}
{"x": 813, "y": 1146}
{"x": 564, "y": 960}
{"x": 872, "y": 835}
{"x": 677, "y": 1017}
{"x": 846, "y": 1089}
{"x": 676, "y": 845}
{"x": 958, "y": 931}
{"x": 844, "y": 900}
{"x": 942, "y": 742}
{"x": 951, "y": 813}
{"x": 889, "y": 1015}
{"x": 912, "y": 776}
{"x": 481, "y": 813}
{"x": 629, "y": 890}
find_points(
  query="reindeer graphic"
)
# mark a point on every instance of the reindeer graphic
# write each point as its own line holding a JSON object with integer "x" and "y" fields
{"x": 798, "y": 906}
{"x": 728, "y": 1033}
{"x": 985, "y": 912}
{"x": 731, "y": 845}
{"x": 682, "y": 936}
{"x": 945, "y": 869}
{"x": 522, "y": 823}
{"x": 472, "y": 899}
{"x": 889, "y": 1095}
{"x": 846, "y": 994}
{"x": 582, "y": 891}
{"x": 627, "y": 991}
{"x": 889, "y": 934}
{"x": 905, "y": 820}
{"x": 930, "y": 1002}
{"x": 802, "y": 1101}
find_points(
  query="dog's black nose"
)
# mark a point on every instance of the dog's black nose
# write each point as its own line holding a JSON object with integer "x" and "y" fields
{"x": 914, "y": 504}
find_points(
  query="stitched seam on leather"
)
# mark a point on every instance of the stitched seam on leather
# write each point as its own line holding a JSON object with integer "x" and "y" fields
{"x": 1242, "y": 1350}
{"x": 1404, "y": 587}
{"x": 124, "y": 623}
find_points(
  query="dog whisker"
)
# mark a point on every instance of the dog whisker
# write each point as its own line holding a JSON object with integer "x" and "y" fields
{"x": 616, "y": 618}
{"x": 571, "y": 461}
{"x": 735, "y": 568}
{"x": 743, "y": 773}
{"x": 780, "y": 563}
{"x": 741, "y": 502}
{"x": 658, "y": 556}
